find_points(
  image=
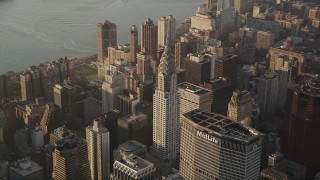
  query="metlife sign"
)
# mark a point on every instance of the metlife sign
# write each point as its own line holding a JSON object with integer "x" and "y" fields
{"x": 207, "y": 137}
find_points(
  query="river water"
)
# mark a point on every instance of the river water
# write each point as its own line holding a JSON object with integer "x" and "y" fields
{"x": 34, "y": 31}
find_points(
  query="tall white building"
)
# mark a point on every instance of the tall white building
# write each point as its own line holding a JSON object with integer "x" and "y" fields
{"x": 166, "y": 26}
{"x": 111, "y": 88}
{"x": 166, "y": 110}
{"x": 203, "y": 20}
{"x": 98, "y": 139}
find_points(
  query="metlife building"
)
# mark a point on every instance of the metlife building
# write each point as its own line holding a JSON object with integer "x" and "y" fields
{"x": 214, "y": 147}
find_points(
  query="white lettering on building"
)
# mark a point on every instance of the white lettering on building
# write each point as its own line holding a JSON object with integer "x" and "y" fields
{"x": 207, "y": 137}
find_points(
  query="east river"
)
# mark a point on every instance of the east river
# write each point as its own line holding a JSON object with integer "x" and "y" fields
{"x": 35, "y": 31}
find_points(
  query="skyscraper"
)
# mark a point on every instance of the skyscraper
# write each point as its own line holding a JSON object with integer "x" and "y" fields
{"x": 224, "y": 4}
{"x": 243, "y": 6}
{"x": 30, "y": 82}
{"x": 70, "y": 158}
{"x": 227, "y": 19}
{"x": 98, "y": 150}
{"x": 281, "y": 65}
{"x": 166, "y": 27}
{"x": 133, "y": 127}
{"x": 133, "y": 44}
{"x": 65, "y": 103}
{"x": 247, "y": 45}
{"x": 106, "y": 37}
{"x": 143, "y": 66}
{"x": 198, "y": 69}
{"x": 214, "y": 147}
{"x": 181, "y": 51}
{"x": 240, "y": 107}
{"x": 300, "y": 138}
{"x": 166, "y": 110}
{"x": 227, "y": 66}
{"x": 149, "y": 38}
{"x": 267, "y": 93}
{"x": 222, "y": 89}
{"x": 111, "y": 88}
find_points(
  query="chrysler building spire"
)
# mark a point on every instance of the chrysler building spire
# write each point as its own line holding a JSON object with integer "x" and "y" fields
{"x": 166, "y": 66}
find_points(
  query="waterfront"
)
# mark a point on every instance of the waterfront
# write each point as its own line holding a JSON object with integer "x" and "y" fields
{"x": 35, "y": 31}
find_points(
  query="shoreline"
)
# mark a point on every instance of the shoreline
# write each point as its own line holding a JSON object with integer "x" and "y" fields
{"x": 79, "y": 59}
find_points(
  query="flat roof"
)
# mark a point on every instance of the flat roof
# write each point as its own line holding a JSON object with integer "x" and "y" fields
{"x": 135, "y": 117}
{"x": 312, "y": 89}
{"x": 227, "y": 57}
{"x": 193, "y": 88}
{"x": 134, "y": 162}
{"x": 131, "y": 145}
{"x": 274, "y": 173}
{"x": 23, "y": 104}
{"x": 221, "y": 126}
{"x": 69, "y": 143}
{"x": 34, "y": 167}
{"x": 217, "y": 80}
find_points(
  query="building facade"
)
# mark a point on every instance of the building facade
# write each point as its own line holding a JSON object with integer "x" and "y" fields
{"x": 70, "y": 158}
{"x": 149, "y": 37}
{"x": 118, "y": 53}
{"x": 31, "y": 84}
{"x": 247, "y": 45}
{"x": 227, "y": 66}
{"x": 240, "y": 108}
{"x": 143, "y": 66}
{"x": 282, "y": 169}
{"x": 133, "y": 127}
{"x": 166, "y": 110}
{"x": 166, "y": 27}
{"x": 222, "y": 89}
{"x": 301, "y": 127}
{"x": 133, "y": 167}
{"x": 134, "y": 44}
{"x": 243, "y": 6}
{"x": 267, "y": 93}
{"x": 198, "y": 69}
{"x": 111, "y": 88}
{"x": 194, "y": 97}
{"x": 106, "y": 37}
{"x": 98, "y": 140}
{"x": 264, "y": 40}
{"x": 214, "y": 147}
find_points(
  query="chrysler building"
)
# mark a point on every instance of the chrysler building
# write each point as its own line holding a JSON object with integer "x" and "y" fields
{"x": 166, "y": 110}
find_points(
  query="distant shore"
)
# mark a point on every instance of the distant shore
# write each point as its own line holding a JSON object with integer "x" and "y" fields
{"x": 86, "y": 59}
